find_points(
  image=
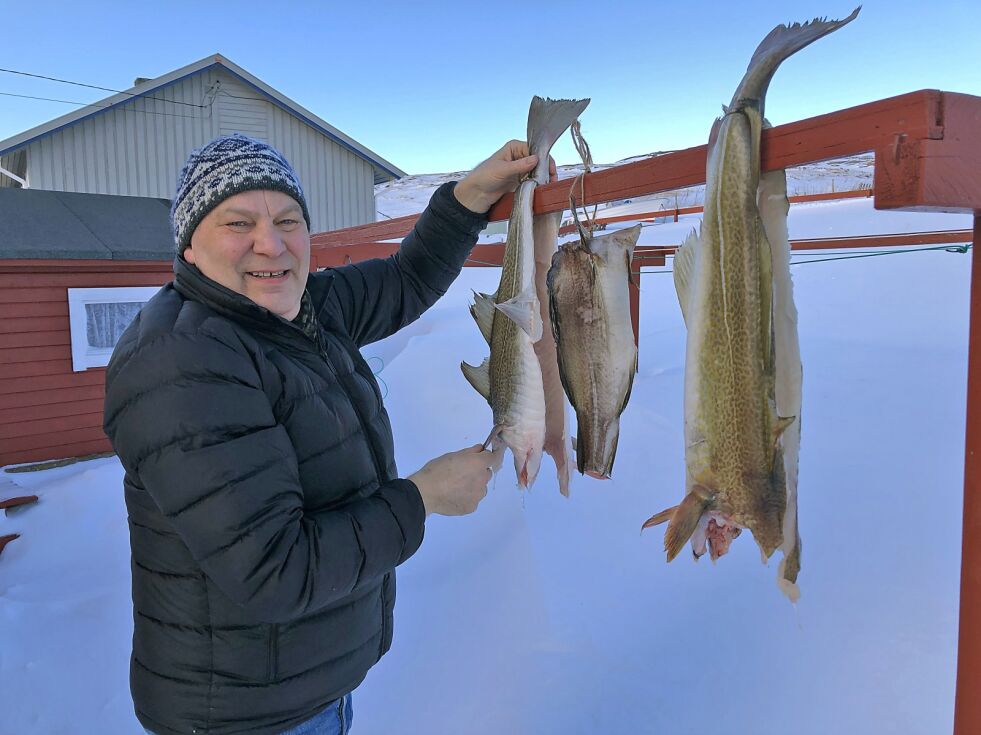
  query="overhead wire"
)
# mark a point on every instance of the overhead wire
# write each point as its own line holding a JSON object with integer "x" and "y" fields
{"x": 90, "y": 86}
{"x": 124, "y": 109}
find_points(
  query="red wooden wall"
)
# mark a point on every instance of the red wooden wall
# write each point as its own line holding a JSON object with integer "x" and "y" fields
{"x": 46, "y": 410}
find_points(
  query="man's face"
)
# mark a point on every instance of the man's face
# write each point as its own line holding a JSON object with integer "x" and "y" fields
{"x": 257, "y": 244}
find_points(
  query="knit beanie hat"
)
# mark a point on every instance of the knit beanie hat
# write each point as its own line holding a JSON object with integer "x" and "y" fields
{"x": 226, "y": 166}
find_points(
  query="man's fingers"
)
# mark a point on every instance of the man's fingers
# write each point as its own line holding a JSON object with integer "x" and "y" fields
{"x": 524, "y": 165}
{"x": 515, "y": 149}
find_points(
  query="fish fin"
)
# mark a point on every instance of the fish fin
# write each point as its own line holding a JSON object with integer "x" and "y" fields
{"x": 780, "y": 43}
{"x": 657, "y": 519}
{"x": 683, "y": 520}
{"x": 781, "y": 425}
{"x": 608, "y": 470}
{"x": 478, "y": 377}
{"x": 714, "y": 132}
{"x": 789, "y": 569}
{"x": 548, "y": 119}
{"x": 684, "y": 267}
{"x": 525, "y": 311}
{"x": 482, "y": 311}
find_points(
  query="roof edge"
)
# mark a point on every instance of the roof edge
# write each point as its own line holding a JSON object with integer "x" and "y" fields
{"x": 27, "y": 137}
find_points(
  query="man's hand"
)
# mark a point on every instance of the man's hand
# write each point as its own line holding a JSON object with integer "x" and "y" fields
{"x": 455, "y": 483}
{"x": 501, "y": 173}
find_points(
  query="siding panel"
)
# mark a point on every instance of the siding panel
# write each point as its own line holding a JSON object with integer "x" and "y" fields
{"x": 52, "y": 410}
{"x": 138, "y": 148}
{"x": 48, "y": 397}
{"x": 41, "y": 429}
{"x": 28, "y": 369}
{"x": 71, "y": 436}
{"x": 79, "y": 449}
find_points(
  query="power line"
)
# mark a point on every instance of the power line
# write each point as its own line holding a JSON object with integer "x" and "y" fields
{"x": 95, "y": 104}
{"x": 93, "y": 86}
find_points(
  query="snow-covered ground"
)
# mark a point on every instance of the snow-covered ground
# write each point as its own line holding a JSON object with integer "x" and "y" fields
{"x": 540, "y": 614}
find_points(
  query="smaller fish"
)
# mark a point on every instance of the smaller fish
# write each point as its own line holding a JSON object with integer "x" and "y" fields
{"x": 589, "y": 306}
{"x": 511, "y": 378}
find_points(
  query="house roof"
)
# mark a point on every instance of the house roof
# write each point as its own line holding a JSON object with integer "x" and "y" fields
{"x": 384, "y": 170}
{"x": 36, "y": 224}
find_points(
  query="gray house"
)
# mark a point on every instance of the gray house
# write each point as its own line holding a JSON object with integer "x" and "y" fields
{"x": 134, "y": 143}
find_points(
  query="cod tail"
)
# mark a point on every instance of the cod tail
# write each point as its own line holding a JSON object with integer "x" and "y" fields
{"x": 781, "y": 43}
{"x": 548, "y": 119}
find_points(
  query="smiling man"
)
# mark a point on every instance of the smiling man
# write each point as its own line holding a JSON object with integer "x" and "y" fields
{"x": 266, "y": 513}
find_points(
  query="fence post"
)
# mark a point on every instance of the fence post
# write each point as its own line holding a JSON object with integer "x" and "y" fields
{"x": 967, "y": 703}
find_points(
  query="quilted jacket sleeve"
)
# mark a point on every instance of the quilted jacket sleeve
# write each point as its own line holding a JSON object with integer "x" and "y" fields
{"x": 189, "y": 418}
{"x": 376, "y": 298}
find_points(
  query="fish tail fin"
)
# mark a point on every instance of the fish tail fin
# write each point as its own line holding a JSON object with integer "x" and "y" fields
{"x": 682, "y": 520}
{"x": 548, "y": 119}
{"x": 779, "y": 44}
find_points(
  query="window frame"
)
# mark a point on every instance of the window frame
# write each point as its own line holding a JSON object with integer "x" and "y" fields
{"x": 84, "y": 356}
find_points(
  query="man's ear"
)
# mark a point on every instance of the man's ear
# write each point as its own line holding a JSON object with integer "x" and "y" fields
{"x": 189, "y": 254}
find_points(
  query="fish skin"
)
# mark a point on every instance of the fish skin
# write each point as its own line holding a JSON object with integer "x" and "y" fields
{"x": 589, "y": 306}
{"x": 733, "y": 282}
{"x": 516, "y": 391}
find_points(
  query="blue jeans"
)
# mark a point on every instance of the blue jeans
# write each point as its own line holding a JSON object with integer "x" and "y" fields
{"x": 334, "y": 719}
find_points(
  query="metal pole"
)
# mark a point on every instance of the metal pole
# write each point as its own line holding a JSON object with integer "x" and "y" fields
{"x": 967, "y": 698}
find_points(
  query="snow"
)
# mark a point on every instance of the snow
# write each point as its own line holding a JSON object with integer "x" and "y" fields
{"x": 551, "y": 615}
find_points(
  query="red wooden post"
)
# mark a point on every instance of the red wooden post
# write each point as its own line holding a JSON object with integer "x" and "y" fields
{"x": 635, "y": 304}
{"x": 967, "y": 703}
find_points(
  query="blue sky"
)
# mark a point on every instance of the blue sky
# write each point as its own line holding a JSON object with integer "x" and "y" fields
{"x": 436, "y": 90}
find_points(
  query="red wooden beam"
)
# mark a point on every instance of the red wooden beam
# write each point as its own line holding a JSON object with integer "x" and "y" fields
{"x": 941, "y": 174}
{"x": 846, "y": 132}
{"x": 874, "y": 126}
{"x": 4, "y": 540}
{"x": 967, "y": 703}
{"x": 9, "y": 503}
{"x": 492, "y": 254}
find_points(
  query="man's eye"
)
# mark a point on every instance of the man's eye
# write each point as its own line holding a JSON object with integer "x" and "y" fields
{"x": 289, "y": 222}
{"x": 238, "y": 224}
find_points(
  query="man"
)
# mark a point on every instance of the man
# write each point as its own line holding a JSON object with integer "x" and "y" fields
{"x": 266, "y": 514}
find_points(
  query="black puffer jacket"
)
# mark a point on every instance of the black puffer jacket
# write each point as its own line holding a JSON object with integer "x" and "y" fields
{"x": 265, "y": 514}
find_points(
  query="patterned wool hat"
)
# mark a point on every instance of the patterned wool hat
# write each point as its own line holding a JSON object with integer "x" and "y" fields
{"x": 226, "y": 166}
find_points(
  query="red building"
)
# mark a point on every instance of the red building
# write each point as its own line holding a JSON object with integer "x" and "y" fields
{"x": 74, "y": 270}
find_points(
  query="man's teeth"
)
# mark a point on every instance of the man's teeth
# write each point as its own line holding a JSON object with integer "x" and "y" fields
{"x": 267, "y": 274}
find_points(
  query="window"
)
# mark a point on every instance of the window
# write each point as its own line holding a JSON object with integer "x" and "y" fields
{"x": 98, "y": 317}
